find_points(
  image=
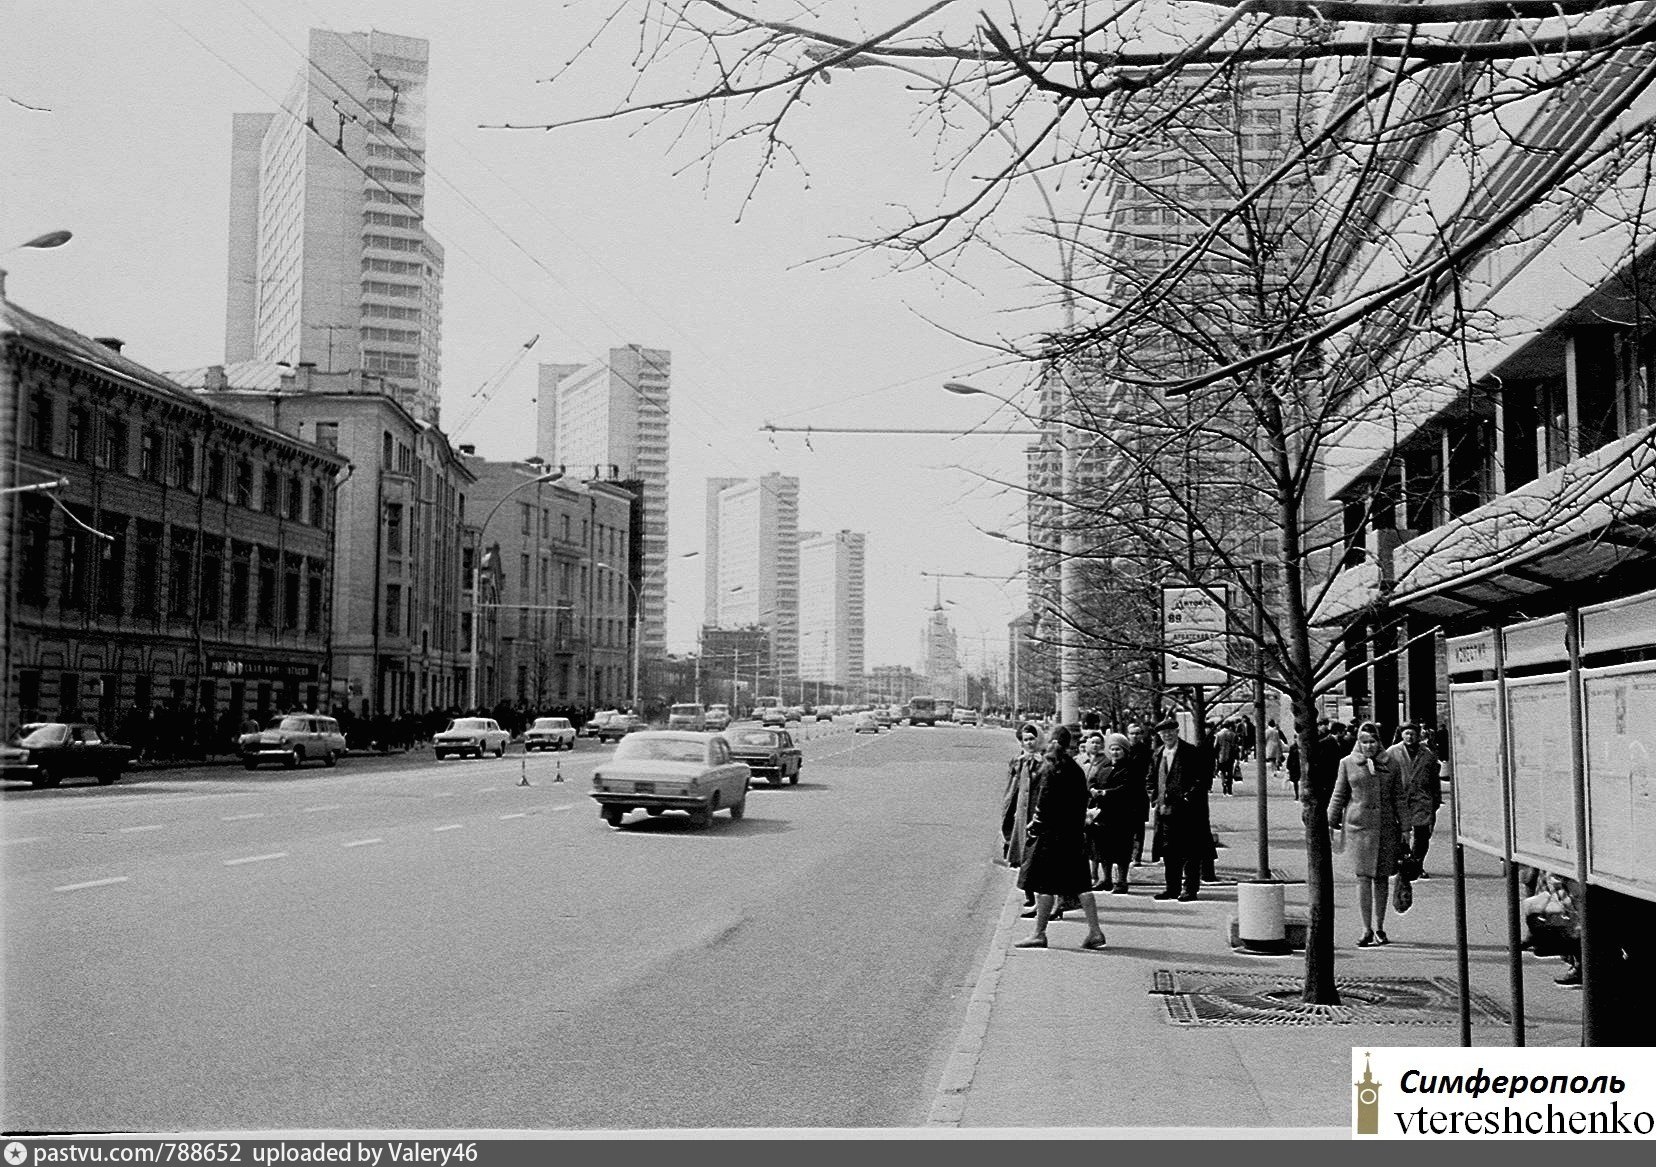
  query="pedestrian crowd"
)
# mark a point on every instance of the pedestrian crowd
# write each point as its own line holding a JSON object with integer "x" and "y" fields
{"x": 1076, "y": 826}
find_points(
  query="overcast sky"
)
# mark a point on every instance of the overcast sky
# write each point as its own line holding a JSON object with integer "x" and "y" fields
{"x": 115, "y": 123}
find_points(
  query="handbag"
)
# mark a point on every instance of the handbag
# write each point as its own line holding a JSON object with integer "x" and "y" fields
{"x": 1402, "y": 895}
{"x": 1408, "y": 869}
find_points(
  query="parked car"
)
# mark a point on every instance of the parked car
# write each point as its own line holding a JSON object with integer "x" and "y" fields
{"x": 773, "y": 715}
{"x": 549, "y": 733}
{"x": 620, "y": 726}
{"x": 825, "y": 713}
{"x": 660, "y": 770}
{"x": 718, "y": 718}
{"x": 471, "y": 735}
{"x": 597, "y": 720}
{"x": 865, "y": 722}
{"x": 795, "y": 712}
{"x": 689, "y": 717}
{"x": 293, "y": 738}
{"x": 882, "y": 715}
{"x": 769, "y": 753}
{"x": 47, "y": 752}
{"x": 966, "y": 716}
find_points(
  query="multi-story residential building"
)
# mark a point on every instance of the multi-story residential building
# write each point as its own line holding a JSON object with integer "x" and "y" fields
{"x": 894, "y": 684}
{"x": 399, "y": 642}
{"x": 710, "y": 550}
{"x": 831, "y": 607}
{"x": 185, "y": 563}
{"x": 330, "y": 262}
{"x": 563, "y": 603}
{"x": 611, "y": 415}
{"x": 755, "y": 527}
{"x": 736, "y": 666}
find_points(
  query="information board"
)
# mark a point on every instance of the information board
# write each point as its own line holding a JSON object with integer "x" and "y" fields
{"x": 1621, "y": 787}
{"x": 1543, "y": 791}
{"x": 1475, "y": 749}
{"x": 1193, "y": 620}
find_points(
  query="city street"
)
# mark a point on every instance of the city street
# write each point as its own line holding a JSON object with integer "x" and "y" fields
{"x": 398, "y": 943}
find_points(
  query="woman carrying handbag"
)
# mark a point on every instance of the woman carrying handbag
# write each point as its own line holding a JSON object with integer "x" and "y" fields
{"x": 1370, "y": 808}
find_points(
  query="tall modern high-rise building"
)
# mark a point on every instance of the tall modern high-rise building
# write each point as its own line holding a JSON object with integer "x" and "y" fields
{"x": 606, "y": 420}
{"x": 940, "y": 656}
{"x": 831, "y": 600}
{"x": 753, "y": 529}
{"x": 330, "y": 262}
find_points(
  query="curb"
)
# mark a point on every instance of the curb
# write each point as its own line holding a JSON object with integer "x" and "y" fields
{"x": 949, "y": 1103}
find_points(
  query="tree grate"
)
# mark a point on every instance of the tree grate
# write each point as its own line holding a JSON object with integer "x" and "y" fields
{"x": 1220, "y": 997}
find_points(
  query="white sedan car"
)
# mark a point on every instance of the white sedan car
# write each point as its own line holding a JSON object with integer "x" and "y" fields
{"x": 660, "y": 770}
{"x": 471, "y": 735}
{"x": 549, "y": 733}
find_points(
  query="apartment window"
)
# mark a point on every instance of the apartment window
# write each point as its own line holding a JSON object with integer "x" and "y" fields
{"x": 523, "y": 581}
{"x": 566, "y": 528}
{"x": 526, "y": 511}
{"x": 318, "y": 505}
{"x": 112, "y": 565}
{"x": 244, "y": 483}
{"x": 394, "y": 528}
{"x": 327, "y": 435}
{"x": 181, "y": 573}
{"x": 313, "y": 598}
{"x": 212, "y": 578}
{"x": 215, "y": 474}
{"x": 77, "y": 436}
{"x": 149, "y": 455}
{"x": 290, "y": 593}
{"x": 386, "y": 446}
{"x": 34, "y": 544}
{"x": 270, "y": 502}
{"x": 241, "y": 579}
{"x": 265, "y": 613}
{"x": 393, "y": 609}
{"x": 77, "y": 560}
{"x": 148, "y": 564}
{"x": 37, "y": 423}
{"x": 295, "y": 498}
{"x": 113, "y": 451}
{"x": 184, "y": 453}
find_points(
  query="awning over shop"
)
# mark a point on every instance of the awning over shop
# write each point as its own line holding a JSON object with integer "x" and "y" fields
{"x": 1592, "y": 516}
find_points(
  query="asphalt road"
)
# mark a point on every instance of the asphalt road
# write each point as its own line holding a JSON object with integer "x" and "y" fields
{"x": 402, "y": 944}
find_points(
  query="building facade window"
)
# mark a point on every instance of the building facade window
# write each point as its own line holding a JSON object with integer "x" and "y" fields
{"x": 37, "y": 423}
{"x": 393, "y": 609}
{"x": 327, "y": 435}
{"x": 148, "y": 564}
{"x": 112, "y": 565}
{"x": 241, "y": 581}
{"x": 271, "y": 493}
{"x": 265, "y": 612}
{"x": 215, "y": 474}
{"x": 113, "y": 448}
{"x": 181, "y": 574}
{"x": 149, "y": 455}
{"x": 212, "y": 578}
{"x": 77, "y": 561}
{"x": 78, "y": 436}
{"x": 290, "y": 593}
{"x": 184, "y": 455}
{"x": 313, "y": 598}
{"x": 243, "y": 496}
{"x": 318, "y": 505}
{"x": 394, "y": 528}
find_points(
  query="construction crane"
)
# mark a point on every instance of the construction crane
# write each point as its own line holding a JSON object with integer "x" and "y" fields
{"x": 481, "y": 395}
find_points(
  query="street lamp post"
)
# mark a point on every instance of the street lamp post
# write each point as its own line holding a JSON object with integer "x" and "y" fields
{"x": 477, "y": 575}
{"x": 638, "y": 623}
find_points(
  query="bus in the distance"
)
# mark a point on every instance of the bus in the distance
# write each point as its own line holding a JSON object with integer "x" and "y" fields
{"x": 930, "y": 710}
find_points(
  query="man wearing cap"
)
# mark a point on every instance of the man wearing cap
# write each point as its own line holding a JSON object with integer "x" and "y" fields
{"x": 1183, "y": 839}
{"x": 1419, "y": 773}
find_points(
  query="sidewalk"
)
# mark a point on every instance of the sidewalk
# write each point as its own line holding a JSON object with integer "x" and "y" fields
{"x": 1081, "y": 1042}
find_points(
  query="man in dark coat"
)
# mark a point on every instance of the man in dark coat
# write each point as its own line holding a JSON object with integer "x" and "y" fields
{"x": 1055, "y": 860}
{"x": 1180, "y": 775}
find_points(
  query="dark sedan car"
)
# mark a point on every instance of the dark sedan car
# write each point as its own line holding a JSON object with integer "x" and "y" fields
{"x": 47, "y": 752}
{"x": 769, "y": 753}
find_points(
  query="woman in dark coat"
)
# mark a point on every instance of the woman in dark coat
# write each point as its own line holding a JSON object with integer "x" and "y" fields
{"x": 1116, "y": 808}
{"x": 1055, "y": 859}
{"x": 1018, "y": 803}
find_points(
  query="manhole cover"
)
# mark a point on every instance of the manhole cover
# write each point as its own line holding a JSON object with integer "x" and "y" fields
{"x": 1221, "y": 997}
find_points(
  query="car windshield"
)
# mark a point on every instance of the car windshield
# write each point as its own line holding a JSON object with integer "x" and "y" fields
{"x": 50, "y": 734}
{"x": 550, "y": 723}
{"x": 657, "y": 749}
{"x": 754, "y": 738}
{"x": 686, "y": 710}
{"x": 298, "y": 724}
{"x": 464, "y": 723}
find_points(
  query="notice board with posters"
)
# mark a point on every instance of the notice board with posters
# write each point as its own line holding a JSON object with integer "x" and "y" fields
{"x": 1620, "y": 715}
{"x": 1543, "y": 788}
{"x": 1475, "y": 745}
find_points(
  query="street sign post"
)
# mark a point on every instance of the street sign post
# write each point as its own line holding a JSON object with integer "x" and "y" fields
{"x": 1194, "y": 635}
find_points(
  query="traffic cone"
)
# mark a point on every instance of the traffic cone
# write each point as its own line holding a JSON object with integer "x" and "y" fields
{"x": 523, "y": 766}
{"x": 558, "y": 777}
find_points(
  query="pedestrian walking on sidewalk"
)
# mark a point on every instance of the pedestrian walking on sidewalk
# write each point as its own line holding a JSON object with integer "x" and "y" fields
{"x": 1093, "y": 767}
{"x": 1115, "y": 811}
{"x": 1183, "y": 840}
{"x": 1274, "y": 751}
{"x": 1225, "y": 756}
{"x": 1138, "y": 765}
{"x": 1369, "y": 805}
{"x": 1018, "y": 803}
{"x": 1055, "y": 857}
{"x": 1419, "y": 772}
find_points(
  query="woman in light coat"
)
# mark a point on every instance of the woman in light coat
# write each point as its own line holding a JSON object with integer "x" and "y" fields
{"x": 1371, "y": 806}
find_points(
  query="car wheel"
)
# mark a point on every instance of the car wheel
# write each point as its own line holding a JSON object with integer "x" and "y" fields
{"x": 776, "y": 779}
{"x": 500, "y": 750}
{"x": 250, "y": 763}
{"x": 109, "y": 776}
{"x": 330, "y": 759}
{"x": 612, "y": 815}
{"x": 293, "y": 759}
{"x": 702, "y": 816}
{"x": 793, "y": 779}
{"x": 738, "y": 809}
{"x": 46, "y": 778}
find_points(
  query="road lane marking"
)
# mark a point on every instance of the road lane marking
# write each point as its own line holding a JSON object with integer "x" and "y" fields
{"x": 522, "y": 814}
{"x": 444, "y": 794}
{"x": 317, "y": 809}
{"x": 486, "y": 790}
{"x": 236, "y": 818}
{"x": 92, "y": 883}
{"x": 450, "y": 827}
{"x": 151, "y": 827}
{"x": 255, "y": 858}
{"x": 363, "y": 842}
{"x": 25, "y": 839}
